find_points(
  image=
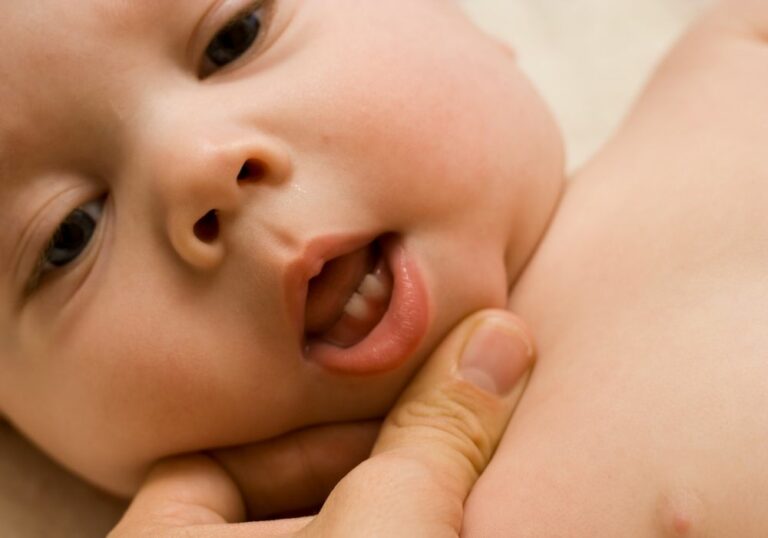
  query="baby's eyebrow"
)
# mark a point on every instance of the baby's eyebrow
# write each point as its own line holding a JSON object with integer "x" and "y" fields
{"x": 9, "y": 154}
{"x": 5, "y": 167}
{"x": 128, "y": 13}
{"x": 8, "y": 231}
{"x": 116, "y": 17}
{"x": 138, "y": 13}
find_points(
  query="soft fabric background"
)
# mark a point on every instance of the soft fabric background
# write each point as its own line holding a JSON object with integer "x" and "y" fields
{"x": 588, "y": 58}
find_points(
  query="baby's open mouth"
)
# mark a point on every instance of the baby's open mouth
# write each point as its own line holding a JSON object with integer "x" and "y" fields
{"x": 349, "y": 297}
{"x": 366, "y": 309}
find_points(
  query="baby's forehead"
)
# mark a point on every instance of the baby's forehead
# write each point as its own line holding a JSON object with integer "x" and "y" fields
{"x": 105, "y": 14}
{"x": 64, "y": 54}
{"x": 88, "y": 31}
{"x": 90, "y": 54}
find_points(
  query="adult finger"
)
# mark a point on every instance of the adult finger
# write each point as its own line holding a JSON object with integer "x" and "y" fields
{"x": 294, "y": 473}
{"x": 181, "y": 492}
{"x": 433, "y": 446}
{"x": 438, "y": 438}
{"x": 194, "y": 497}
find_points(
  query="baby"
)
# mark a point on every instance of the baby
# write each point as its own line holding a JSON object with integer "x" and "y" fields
{"x": 225, "y": 221}
{"x": 288, "y": 254}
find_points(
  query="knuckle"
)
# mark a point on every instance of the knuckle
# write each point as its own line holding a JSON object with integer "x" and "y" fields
{"x": 451, "y": 418}
{"x": 384, "y": 474}
{"x": 393, "y": 478}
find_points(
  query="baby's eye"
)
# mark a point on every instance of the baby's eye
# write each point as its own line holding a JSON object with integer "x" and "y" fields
{"x": 235, "y": 38}
{"x": 72, "y": 236}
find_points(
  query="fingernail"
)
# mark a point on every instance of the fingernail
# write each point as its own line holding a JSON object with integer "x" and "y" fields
{"x": 496, "y": 356}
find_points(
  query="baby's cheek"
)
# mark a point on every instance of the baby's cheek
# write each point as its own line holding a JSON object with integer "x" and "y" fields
{"x": 130, "y": 390}
{"x": 432, "y": 129}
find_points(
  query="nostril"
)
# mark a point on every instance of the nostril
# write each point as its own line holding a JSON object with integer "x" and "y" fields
{"x": 207, "y": 228}
{"x": 252, "y": 170}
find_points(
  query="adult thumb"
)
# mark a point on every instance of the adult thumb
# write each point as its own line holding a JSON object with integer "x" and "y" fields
{"x": 438, "y": 438}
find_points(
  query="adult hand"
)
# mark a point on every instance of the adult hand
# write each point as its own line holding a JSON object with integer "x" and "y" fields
{"x": 294, "y": 474}
{"x": 430, "y": 451}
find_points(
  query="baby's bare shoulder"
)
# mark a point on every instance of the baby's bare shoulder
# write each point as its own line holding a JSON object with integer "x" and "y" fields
{"x": 751, "y": 16}
{"x": 707, "y": 97}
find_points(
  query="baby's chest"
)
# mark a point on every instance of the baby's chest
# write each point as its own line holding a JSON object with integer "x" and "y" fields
{"x": 647, "y": 414}
{"x": 654, "y": 423}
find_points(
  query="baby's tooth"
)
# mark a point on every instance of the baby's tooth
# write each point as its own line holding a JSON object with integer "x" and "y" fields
{"x": 357, "y": 306}
{"x": 372, "y": 287}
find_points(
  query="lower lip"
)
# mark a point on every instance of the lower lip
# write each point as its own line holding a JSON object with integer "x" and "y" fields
{"x": 396, "y": 336}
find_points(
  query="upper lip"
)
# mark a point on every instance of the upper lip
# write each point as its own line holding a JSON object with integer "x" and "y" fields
{"x": 309, "y": 263}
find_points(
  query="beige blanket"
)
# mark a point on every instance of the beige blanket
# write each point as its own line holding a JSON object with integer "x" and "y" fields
{"x": 588, "y": 57}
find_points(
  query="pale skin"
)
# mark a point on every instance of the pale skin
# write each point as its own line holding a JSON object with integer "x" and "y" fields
{"x": 431, "y": 448}
{"x": 646, "y": 413}
{"x": 165, "y": 335}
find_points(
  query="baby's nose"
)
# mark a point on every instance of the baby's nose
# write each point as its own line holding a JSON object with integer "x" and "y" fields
{"x": 203, "y": 186}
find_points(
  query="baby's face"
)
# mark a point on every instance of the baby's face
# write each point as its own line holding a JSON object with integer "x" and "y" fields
{"x": 174, "y": 173}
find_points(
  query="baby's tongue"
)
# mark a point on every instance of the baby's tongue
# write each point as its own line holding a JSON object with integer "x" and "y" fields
{"x": 330, "y": 291}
